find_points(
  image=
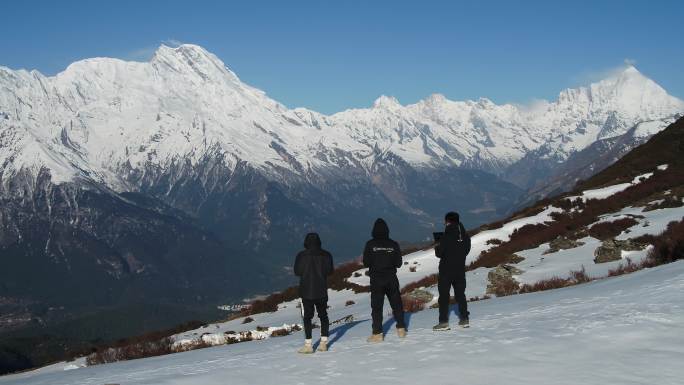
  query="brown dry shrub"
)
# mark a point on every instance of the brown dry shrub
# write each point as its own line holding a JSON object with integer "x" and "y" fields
{"x": 338, "y": 279}
{"x": 667, "y": 203}
{"x": 427, "y": 281}
{"x": 624, "y": 268}
{"x": 525, "y": 212}
{"x": 412, "y": 304}
{"x": 506, "y": 287}
{"x": 569, "y": 204}
{"x": 669, "y": 245}
{"x": 546, "y": 284}
{"x": 523, "y": 238}
{"x": 576, "y": 277}
{"x": 608, "y": 230}
{"x": 130, "y": 352}
{"x": 270, "y": 303}
{"x": 580, "y": 276}
{"x": 281, "y": 332}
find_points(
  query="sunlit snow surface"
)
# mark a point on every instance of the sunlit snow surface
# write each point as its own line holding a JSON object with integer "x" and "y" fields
{"x": 605, "y": 192}
{"x": 628, "y": 329}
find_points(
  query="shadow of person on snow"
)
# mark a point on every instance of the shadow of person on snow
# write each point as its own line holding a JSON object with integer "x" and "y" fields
{"x": 454, "y": 308}
{"x": 390, "y": 321}
{"x": 339, "y": 331}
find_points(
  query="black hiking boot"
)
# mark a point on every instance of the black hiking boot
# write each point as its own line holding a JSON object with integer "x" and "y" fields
{"x": 442, "y": 326}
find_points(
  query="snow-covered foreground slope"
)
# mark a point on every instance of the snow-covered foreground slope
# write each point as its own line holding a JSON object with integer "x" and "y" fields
{"x": 628, "y": 329}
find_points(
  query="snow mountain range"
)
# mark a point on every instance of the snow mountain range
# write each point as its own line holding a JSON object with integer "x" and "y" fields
{"x": 104, "y": 119}
{"x": 121, "y": 176}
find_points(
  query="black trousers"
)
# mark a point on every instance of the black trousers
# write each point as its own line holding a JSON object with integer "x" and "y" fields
{"x": 321, "y": 306}
{"x": 382, "y": 286}
{"x": 444, "y": 284}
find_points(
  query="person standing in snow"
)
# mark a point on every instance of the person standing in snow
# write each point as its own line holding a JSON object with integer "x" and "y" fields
{"x": 452, "y": 249}
{"x": 313, "y": 265}
{"x": 382, "y": 257}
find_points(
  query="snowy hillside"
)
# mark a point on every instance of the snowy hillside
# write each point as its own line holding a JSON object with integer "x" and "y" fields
{"x": 620, "y": 330}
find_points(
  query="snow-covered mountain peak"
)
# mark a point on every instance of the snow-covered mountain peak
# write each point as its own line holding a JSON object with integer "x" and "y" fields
{"x": 387, "y": 102}
{"x": 486, "y": 103}
{"x": 630, "y": 84}
{"x": 195, "y": 60}
{"x": 631, "y": 70}
{"x": 435, "y": 99}
{"x": 627, "y": 91}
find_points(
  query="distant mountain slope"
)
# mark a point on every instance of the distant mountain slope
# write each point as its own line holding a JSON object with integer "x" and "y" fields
{"x": 584, "y": 164}
{"x": 665, "y": 147}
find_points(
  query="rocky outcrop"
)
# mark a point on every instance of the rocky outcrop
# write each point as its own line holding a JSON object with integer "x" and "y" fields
{"x": 562, "y": 243}
{"x": 611, "y": 250}
{"x": 501, "y": 281}
{"x": 419, "y": 295}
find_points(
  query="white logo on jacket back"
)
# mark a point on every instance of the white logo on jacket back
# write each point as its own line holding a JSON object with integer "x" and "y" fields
{"x": 387, "y": 249}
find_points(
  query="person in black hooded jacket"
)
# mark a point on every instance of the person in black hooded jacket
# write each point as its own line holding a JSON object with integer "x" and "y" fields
{"x": 452, "y": 250}
{"x": 382, "y": 257}
{"x": 313, "y": 265}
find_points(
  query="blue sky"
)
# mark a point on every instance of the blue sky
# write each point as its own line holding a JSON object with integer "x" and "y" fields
{"x": 330, "y": 56}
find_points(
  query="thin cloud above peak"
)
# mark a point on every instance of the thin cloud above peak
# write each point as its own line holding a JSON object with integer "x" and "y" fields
{"x": 172, "y": 42}
{"x": 594, "y": 75}
{"x": 146, "y": 53}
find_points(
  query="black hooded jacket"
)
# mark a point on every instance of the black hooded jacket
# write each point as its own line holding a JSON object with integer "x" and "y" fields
{"x": 313, "y": 265}
{"x": 382, "y": 255}
{"x": 452, "y": 249}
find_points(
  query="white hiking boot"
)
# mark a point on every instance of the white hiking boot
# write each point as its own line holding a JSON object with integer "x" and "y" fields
{"x": 323, "y": 346}
{"x": 375, "y": 338}
{"x": 307, "y": 348}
